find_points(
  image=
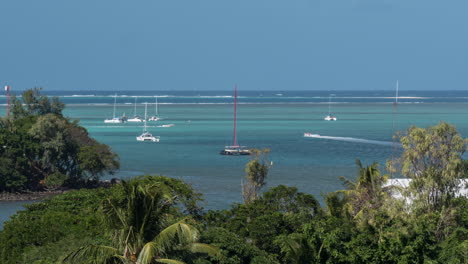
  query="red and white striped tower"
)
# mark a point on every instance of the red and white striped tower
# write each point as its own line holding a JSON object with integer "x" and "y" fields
{"x": 7, "y": 90}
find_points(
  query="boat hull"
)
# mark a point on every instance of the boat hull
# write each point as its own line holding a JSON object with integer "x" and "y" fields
{"x": 147, "y": 139}
{"x": 113, "y": 121}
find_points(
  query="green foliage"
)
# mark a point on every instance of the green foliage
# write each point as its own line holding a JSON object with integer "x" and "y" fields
{"x": 256, "y": 172}
{"x": 144, "y": 223}
{"x": 55, "y": 180}
{"x": 367, "y": 194}
{"x": 51, "y": 226}
{"x": 432, "y": 159}
{"x": 33, "y": 103}
{"x": 41, "y": 148}
{"x": 282, "y": 210}
{"x": 233, "y": 249}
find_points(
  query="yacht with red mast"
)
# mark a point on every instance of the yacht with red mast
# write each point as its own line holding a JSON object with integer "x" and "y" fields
{"x": 235, "y": 149}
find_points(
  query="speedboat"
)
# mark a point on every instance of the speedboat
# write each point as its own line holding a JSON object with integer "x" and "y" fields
{"x": 167, "y": 125}
{"x": 146, "y": 136}
{"x": 330, "y": 118}
{"x": 311, "y": 135}
{"x": 235, "y": 150}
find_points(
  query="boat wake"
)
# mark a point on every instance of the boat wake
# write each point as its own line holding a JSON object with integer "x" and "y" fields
{"x": 351, "y": 139}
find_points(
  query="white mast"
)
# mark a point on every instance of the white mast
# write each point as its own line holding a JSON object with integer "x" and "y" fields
{"x": 396, "y": 95}
{"x": 329, "y": 102}
{"x": 156, "y": 106}
{"x": 146, "y": 109}
{"x": 134, "y": 111}
{"x": 115, "y": 101}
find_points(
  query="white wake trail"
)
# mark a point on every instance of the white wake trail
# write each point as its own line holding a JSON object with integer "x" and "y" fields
{"x": 351, "y": 139}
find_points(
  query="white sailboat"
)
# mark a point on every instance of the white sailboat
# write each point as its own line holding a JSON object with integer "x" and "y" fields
{"x": 329, "y": 117}
{"x": 156, "y": 116}
{"x": 114, "y": 119}
{"x": 146, "y": 136}
{"x": 135, "y": 117}
{"x": 235, "y": 149}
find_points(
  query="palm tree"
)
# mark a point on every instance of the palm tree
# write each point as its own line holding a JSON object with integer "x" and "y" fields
{"x": 367, "y": 193}
{"x": 142, "y": 233}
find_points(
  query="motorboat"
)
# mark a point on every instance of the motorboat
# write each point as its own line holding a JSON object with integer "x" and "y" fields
{"x": 167, "y": 125}
{"x": 311, "y": 135}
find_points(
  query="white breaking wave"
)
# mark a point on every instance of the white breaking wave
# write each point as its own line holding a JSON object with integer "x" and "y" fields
{"x": 351, "y": 139}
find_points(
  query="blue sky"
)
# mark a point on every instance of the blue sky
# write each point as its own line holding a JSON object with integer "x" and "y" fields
{"x": 212, "y": 44}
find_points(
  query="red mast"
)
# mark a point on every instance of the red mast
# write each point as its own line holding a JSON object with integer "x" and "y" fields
{"x": 7, "y": 89}
{"x": 235, "y": 116}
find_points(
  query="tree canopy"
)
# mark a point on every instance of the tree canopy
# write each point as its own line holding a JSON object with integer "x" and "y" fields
{"x": 40, "y": 148}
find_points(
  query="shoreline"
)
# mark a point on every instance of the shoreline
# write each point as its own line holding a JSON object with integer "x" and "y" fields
{"x": 28, "y": 196}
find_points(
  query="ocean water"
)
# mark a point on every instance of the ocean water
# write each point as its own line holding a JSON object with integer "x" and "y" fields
{"x": 269, "y": 119}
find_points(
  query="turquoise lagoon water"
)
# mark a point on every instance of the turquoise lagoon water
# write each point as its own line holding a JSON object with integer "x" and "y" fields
{"x": 203, "y": 126}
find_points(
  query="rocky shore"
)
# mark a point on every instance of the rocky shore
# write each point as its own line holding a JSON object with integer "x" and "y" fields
{"x": 28, "y": 196}
{"x": 41, "y": 195}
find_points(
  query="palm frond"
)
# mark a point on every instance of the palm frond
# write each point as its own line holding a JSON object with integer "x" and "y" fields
{"x": 348, "y": 183}
{"x": 170, "y": 261}
{"x": 178, "y": 233}
{"x": 148, "y": 253}
{"x": 204, "y": 248}
{"x": 94, "y": 254}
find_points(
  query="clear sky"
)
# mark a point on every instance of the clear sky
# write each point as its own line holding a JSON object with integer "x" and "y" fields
{"x": 212, "y": 44}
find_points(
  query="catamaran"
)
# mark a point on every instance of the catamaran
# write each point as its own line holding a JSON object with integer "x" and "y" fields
{"x": 329, "y": 117}
{"x": 135, "y": 118}
{"x": 156, "y": 116}
{"x": 235, "y": 149}
{"x": 146, "y": 136}
{"x": 114, "y": 119}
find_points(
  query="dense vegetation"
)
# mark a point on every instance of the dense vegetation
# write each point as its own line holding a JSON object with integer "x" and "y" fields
{"x": 154, "y": 219}
{"x": 41, "y": 149}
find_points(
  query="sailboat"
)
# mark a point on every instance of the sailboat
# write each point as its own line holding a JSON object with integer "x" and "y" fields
{"x": 114, "y": 119}
{"x": 146, "y": 136}
{"x": 135, "y": 118}
{"x": 329, "y": 117}
{"x": 235, "y": 149}
{"x": 156, "y": 116}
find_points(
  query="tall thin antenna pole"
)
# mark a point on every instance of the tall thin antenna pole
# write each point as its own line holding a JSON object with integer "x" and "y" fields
{"x": 235, "y": 116}
{"x": 7, "y": 89}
